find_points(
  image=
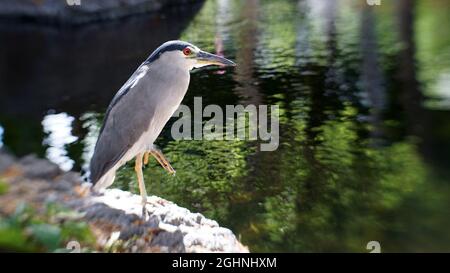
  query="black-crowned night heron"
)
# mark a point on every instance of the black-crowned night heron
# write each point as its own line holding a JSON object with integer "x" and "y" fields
{"x": 141, "y": 108}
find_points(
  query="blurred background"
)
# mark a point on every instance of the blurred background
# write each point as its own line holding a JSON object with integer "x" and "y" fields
{"x": 363, "y": 91}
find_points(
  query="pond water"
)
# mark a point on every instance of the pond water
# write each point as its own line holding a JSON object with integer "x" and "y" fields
{"x": 364, "y": 99}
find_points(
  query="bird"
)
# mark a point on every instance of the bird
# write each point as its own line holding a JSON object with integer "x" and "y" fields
{"x": 140, "y": 109}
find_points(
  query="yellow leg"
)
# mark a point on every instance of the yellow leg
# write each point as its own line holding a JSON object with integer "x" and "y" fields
{"x": 140, "y": 177}
{"x": 146, "y": 158}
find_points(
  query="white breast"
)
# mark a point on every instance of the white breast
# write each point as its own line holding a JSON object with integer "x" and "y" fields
{"x": 168, "y": 74}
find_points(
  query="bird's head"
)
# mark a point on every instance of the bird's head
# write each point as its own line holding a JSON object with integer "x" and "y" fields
{"x": 186, "y": 55}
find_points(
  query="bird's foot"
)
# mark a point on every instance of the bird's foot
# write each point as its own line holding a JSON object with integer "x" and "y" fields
{"x": 144, "y": 215}
{"x": 144, "y": 209}
{"x": 162, "y": 160}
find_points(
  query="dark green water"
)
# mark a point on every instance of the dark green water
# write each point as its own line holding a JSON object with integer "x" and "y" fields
{"x": 364, "y": 97}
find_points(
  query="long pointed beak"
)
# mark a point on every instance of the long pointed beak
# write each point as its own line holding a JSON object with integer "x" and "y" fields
{"x": 205, "y": 58}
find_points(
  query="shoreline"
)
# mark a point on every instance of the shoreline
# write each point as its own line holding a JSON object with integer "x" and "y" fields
{"x": 113, "y": 215}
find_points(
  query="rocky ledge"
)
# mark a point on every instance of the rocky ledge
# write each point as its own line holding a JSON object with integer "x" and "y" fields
{"x": 114, "y": 214}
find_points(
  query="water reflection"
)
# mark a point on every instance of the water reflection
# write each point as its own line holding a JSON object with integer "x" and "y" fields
{"x": 90, "y": 122}
{"x": 1, "y": 136}
{"x": 442, "y": 91}
{"x": 58, "y": 128}
{"x": 432, "y": 51}
{"x": 73, "y": 70}
{"x": 364, "y": 145}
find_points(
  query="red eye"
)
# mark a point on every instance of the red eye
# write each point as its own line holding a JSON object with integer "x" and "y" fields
{"x": 187, "y": 51}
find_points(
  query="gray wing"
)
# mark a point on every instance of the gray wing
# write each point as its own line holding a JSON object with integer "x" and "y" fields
{"x": 127, "y": 118}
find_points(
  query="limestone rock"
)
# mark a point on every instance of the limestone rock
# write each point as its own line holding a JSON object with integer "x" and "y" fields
{"x": 115, "y": 215}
